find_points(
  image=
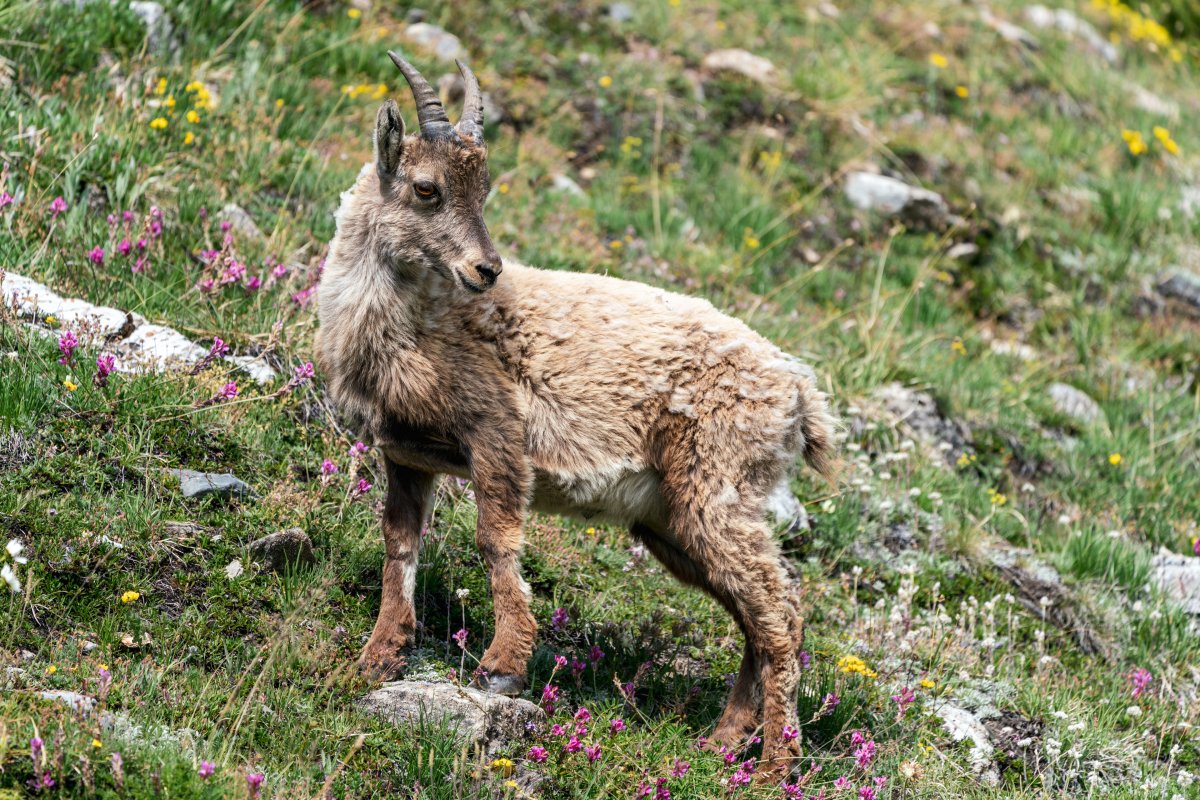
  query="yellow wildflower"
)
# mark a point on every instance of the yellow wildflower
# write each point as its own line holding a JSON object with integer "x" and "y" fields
{"x": 1171, "y": 146}
{"x": 996, "y": 497}
{"x": 1175, "y": 54}
{"x": 102, "y": 666}
{"x": 380, "y": 92}
{"x": 503, "y": 766}
{"x": 1114, "y": 459}
{"x": 193, "y": 86}
{"x": 966, "y": 459}
{"x": 615, "y": 244}
{"x": 160, "y": 88}
{"x": 854, "y": 664}
{"x": 928, "y": 684}
{"x": 939, "y": 60}
{"x": 70, "y": 384}
{"x": 605, "y": 81}
{"x": 511, "y": 784}
{"x": 170, "y": 101}
{"x": 158, "y": 123}
{"x": 962, "y": 91}
{"x": 590, "y": 531}
{"x": 279, "y": 102}
{"x": 750, "y": 240}
{"x": 96, "y": 743}
{"x": 130, "y": 596}
{"x": 51, "y": 319}
{"x": 958, "y": 346}
{"x": 193, "y": 116}
{"x": 1161, "y": 133}
{"x": 502, "y": 188}
{"x": 353, "y": 13}
{"x": 50, "y": 670}
{"x": 1134, "y": 141}
{"x": 674, "y": 3}
{"x": 189, "y": 137}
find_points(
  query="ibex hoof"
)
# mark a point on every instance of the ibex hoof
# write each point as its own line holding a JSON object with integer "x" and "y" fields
{"x": 507, "y": 685}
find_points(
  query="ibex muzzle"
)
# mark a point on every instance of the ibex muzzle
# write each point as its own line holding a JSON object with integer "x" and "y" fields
{"x": 435, "y": 183}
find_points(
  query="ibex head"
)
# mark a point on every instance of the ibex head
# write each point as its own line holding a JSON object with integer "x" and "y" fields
{"x": 433, "y": 185}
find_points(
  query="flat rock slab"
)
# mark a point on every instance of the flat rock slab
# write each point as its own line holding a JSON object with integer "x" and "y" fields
{"x": 741, "y": 62}
{"x": 1179, "y": 577}
{"x": 203, "y": 484}
{"x": 963, "y": 725}
{"x": 489, "y": 720}
{"x": 137, "y": 345}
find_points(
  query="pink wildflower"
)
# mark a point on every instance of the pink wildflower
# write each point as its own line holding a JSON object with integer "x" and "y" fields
{"x": 6, "y": 199}
{"x": 903, "y": 701}
{"x": 254, "y": 781}
{"x": 125, "y": 247}
{"x": 559, "y": 619}
{"x": 616, "y": 726}
{"x": 207, "y": 768}
{"x": 328, "y": 467}
{"x": 574, "y": 745}
{"x": 537, "y": 754}
{"x": 789, "y": 733}
{"x": 1140, "y": 678}
{"x": 57, "y": 206}
{"x": 358, "y": 450}
{"x": 680, "y": 768}
{"x": 583, "y": 715}
{"x": 105, "y": 364}
{"x": 865, "y": 754}
{"x": 593, "y": 753}
{"x": 460, "y": 638}
{"x": 362, "y": 487}
{"x": 67, "y": 343}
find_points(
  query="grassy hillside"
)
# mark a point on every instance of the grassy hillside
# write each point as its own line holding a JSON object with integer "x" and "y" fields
{"x": 990, "y": 552}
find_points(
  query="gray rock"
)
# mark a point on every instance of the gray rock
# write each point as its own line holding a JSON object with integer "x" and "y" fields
{"x": 160, "y": 36}
{"x": 1067, "y": 22}
{"x": 240, "y": 221}
{"x": 1179, "y": 577}
{"x": 911, "y": 204}
{"x": 620, "y": 12}
{"x": 1075, "y": 403}
{"x": 963, "y": 725}
{"x": 156, "y": 348}
{"x": 415, "y": 15}
{"x": 1009, "y": 32}
{"x": 287, "y": 549}
{"x": 488, "y": 720}
{"x": 784, "y": 507}
{"x": 741, "y": 62}
{"x": 1182, "y": 286}
{"x": 452, "y": 88}
{"x": 79, "y": 703}
{"x": 443, "y": 44}
{"x": 564, "y": 184}
{"x": 89, "y": 646}
{"x": 234, "y": 569}
{"x": 918, "y": 413}
{"x": 203, "y": 484}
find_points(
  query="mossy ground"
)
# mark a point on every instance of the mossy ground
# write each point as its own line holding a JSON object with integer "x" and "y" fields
{"x": 711, "y": 185}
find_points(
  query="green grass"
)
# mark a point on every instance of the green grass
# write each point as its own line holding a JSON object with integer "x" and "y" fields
{"x": 711, "y": 185}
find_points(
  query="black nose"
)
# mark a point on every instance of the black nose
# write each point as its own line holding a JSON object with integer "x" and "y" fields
{"x": 490, "y": 270}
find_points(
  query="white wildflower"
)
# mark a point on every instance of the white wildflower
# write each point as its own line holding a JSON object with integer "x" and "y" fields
{"x": 1134, "y": 711}
{"x": 10, "y": 577}
{"x": 462, "y": 594}
{"x": 14, "y": 549}
{"x": 1184, "y": 778}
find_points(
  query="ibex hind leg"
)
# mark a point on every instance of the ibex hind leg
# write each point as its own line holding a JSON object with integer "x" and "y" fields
{"x": 742, "y": 713}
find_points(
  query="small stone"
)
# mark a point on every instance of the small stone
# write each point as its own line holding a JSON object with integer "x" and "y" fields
{"x": 240, "y": 221}
{"x": 1179, "y": 578}
{"x": 415, "y": 15}
{"x": 562, "y": 183}
{"x": 287, "y": 549}
{"x": 786, "y": 509}
{"x": 159, "y": 30}
{"x": 234, "y": 569}
{"x": 89, "y": 646}
{"x": 893, "y": 197}
{"x": 203, "y": 484}
{"x": 620, "y": 12}
{"x": 490, "y": 721}
{"x": 1182, "y": 286}
{"x": 917, "y": 413}
{"x": 156, "y": 348}
{"x": 79, "y": 703}
{"x": 443, "y": 44}
{"x": 1075, "y": 403}
{"x": 746, "y": 64}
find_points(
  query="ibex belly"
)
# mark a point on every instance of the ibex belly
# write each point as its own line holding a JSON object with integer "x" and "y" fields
{"x": 621, "y": 494}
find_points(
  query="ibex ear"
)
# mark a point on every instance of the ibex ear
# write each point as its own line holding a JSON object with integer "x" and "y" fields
{"x": 389, "y": 139}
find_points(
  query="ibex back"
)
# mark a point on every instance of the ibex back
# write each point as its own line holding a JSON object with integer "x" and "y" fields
{"x": 571, "y": 393}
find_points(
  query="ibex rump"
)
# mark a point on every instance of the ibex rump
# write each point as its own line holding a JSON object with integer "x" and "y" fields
{"x": 558, "y": 391}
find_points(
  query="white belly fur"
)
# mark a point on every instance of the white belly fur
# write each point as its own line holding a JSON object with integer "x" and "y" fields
{"x": 623, "y": 495}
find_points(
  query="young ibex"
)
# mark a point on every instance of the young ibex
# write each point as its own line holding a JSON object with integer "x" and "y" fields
{"x": 557, "y": 391}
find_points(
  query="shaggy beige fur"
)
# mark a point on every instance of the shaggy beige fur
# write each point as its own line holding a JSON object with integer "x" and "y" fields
{"x": 571, "y": 393}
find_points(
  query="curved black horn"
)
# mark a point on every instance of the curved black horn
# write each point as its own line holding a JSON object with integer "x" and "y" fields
{"x": 470, "y": 126}
{"x": 431, "y": 115}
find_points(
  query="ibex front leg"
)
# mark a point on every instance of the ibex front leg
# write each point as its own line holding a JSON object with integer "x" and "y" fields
{"x": 404, "y": 514}
{"x": 501, "y": 487}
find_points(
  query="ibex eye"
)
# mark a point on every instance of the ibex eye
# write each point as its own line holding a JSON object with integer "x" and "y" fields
{"x": 425, "y": 190}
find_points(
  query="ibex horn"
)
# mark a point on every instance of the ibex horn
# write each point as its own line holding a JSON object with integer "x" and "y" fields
{"x": 431, "y": 115}
{"x": 470, "y": 126}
